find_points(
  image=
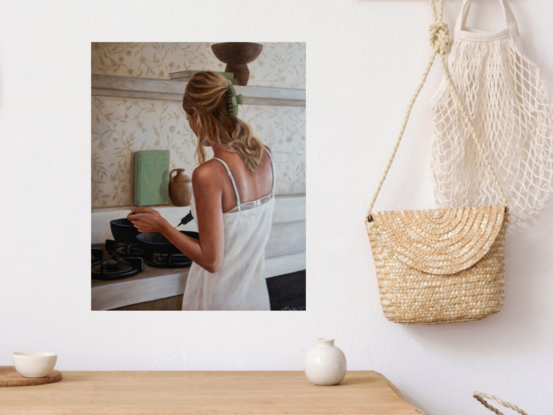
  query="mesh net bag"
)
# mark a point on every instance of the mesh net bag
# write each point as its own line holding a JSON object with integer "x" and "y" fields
{"x": 509, "y": 106}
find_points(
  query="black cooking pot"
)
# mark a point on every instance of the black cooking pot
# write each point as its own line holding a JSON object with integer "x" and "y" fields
{"x": 123, "y": 230}
{"x": 155, "y": 242}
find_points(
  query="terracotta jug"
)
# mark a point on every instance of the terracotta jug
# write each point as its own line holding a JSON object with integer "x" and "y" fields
{"x": 180, "y": 188}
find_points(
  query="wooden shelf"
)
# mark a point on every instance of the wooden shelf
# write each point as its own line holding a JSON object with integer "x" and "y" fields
{"x": 166, "y": 90}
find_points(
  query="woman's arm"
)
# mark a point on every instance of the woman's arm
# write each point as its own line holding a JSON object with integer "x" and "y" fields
{"x": 209, "y": 251}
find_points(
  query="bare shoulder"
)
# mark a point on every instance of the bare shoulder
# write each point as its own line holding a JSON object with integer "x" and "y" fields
{"x": 268, "y": 149}
{"x": 207, "y": 173}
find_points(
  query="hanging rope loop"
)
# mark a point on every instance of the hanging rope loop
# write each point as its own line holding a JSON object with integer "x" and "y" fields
{"x": 441, "y": 44}
{"x": 439, "y": 38}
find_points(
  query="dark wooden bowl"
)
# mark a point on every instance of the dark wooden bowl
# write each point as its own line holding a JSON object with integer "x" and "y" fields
{"x": 237, "y": 55}
{"x": 237, "y": 52}
{"x": 123, "y": 230}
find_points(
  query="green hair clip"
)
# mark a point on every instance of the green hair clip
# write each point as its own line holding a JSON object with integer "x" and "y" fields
{"x": 233, "y": 101}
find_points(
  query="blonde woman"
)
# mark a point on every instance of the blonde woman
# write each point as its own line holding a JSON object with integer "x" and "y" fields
{"x": 233, "y": 204}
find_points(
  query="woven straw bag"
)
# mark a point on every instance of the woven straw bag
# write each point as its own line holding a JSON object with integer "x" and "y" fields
{"x": 441, "y": 265}
{"x": 481, "y": 397}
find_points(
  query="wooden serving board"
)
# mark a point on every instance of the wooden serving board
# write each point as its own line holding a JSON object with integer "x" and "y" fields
{"x": 10, "y": 377}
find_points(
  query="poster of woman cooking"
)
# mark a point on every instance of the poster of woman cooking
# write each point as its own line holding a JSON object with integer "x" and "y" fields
{"x": 198, "y": 176}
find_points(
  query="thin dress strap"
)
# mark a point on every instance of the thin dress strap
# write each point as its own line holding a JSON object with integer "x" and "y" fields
{"x": 233, "y": 182}
{"x": 273, "y": 167}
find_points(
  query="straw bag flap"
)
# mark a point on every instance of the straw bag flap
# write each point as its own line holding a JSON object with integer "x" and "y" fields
{"x": 438, "y": 241}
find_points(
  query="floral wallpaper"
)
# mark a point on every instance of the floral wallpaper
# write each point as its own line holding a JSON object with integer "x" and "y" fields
{"x": 279, "y": 65}
{"x": 121, "y": 126}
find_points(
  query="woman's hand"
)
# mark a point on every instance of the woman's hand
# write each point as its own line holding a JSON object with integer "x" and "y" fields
{"x": 147, "y": 220}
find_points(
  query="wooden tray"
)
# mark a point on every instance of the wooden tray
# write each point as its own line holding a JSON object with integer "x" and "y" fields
{"x": 10, "y": 377}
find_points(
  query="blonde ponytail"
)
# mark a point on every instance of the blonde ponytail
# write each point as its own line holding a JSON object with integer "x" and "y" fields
{"x": 208, "y": 92}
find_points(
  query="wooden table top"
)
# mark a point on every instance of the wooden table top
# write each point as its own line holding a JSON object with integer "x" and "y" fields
{"x": 214, "y": 393}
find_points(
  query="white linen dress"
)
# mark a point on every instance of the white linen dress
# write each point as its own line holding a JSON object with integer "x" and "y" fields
{"x": 239, "y": 284}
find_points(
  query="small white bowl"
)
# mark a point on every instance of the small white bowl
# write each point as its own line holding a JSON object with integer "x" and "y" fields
{"x": 34, "y": 364}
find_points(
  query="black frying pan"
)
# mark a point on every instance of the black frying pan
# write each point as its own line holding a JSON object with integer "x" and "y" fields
{"x": 155, "y": 242}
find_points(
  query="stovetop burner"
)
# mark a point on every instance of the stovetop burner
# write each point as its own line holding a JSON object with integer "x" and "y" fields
{"x": 167, "y": 260}
{"x": 123, "y": 262}
{"x": 112, "y": 269}
{"x": 123, "y": 250}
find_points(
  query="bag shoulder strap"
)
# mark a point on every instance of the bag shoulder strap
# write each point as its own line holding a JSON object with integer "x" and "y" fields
{"x": 481, "y": 397}
{"x": 441, "y": 44}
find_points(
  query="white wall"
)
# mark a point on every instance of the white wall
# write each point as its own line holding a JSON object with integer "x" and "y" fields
{"x": 364, "y": 58}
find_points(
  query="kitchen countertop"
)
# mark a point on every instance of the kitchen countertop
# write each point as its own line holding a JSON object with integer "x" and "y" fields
{"x": 151, "y": 284}
{"x": 156, "y": 283}
{"x": 213, "y": 393}
{"x": 149, "y": 272}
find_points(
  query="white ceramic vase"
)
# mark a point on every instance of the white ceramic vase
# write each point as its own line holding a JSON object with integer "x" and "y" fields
{"x": 325, "y": 364}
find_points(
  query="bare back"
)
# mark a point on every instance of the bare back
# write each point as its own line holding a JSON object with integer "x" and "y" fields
{"x": 250, "y": 186}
